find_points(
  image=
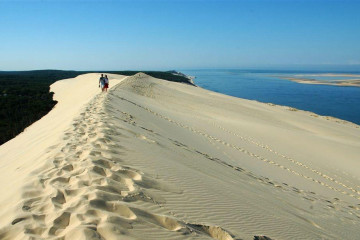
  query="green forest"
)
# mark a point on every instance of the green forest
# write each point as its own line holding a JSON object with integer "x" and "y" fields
{"x": 25, "y": 96}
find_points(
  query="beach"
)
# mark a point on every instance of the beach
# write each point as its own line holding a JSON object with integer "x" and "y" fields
{"x": 153, "y": 159}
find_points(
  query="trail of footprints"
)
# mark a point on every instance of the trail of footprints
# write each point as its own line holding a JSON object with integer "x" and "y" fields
{"x": 269, "y": 149}
{"x": 353, "y": 210}
{"x": 329, "y": 205}
{"x": 88, "y": 192}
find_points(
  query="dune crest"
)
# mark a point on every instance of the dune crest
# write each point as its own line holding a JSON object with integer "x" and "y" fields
{"x": 153, "y": 159}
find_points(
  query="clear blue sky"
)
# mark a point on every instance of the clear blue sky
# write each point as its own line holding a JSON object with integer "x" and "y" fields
{"x": 118, "y": 35}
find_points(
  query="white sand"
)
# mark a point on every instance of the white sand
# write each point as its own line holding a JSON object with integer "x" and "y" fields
{"x": 153, "y": 159}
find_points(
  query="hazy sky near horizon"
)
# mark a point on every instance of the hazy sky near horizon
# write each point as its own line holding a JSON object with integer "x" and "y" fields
{"x": 143, "y": 35}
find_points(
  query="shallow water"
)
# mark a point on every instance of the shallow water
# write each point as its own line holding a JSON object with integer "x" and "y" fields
{"x": 266, "y": 86}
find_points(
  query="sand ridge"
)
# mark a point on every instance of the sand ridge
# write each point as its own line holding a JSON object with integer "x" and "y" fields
{"x": 88, "y": 193}
{"x": 160, "y": 160}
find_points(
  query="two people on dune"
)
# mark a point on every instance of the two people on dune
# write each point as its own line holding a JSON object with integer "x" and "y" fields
{"x": 104, "y": 83}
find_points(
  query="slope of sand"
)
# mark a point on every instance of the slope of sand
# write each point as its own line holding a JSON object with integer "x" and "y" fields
{"x": 153, "y": 159}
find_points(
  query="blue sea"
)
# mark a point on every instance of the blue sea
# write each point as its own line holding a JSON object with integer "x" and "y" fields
{"x": 267, "y": 86}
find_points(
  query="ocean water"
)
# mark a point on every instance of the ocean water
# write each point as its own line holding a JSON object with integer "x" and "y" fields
{"x": 268, "y": 87}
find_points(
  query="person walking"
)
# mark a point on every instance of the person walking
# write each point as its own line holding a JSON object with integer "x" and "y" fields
{"x": 106, "y": 83}
{"x": 102, "y": 82}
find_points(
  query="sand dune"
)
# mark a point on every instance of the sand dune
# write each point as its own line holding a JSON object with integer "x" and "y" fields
{"x": 153, "y": 159}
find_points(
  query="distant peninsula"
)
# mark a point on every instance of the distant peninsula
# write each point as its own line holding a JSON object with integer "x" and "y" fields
{"x": 344, "y": 80}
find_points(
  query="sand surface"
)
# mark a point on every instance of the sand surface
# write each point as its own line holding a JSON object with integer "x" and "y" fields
{"x": 154, "y": 159}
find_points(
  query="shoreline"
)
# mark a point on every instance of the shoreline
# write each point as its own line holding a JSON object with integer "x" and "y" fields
{"x": 326, "y": 114}
{"x": 313, "y": 114}
{"x": 290, "y": 108}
